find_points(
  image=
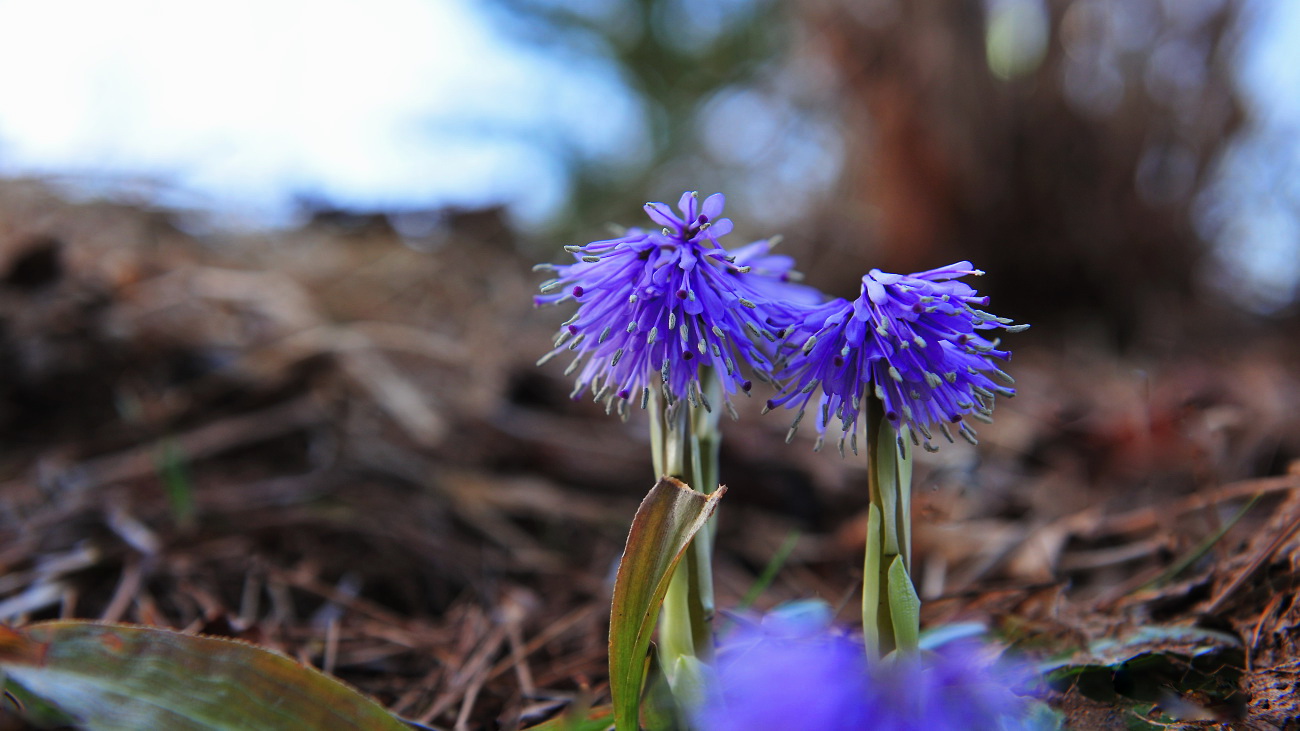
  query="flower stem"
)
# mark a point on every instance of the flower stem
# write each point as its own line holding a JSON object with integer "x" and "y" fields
{"x": 685, "y": 443}
{"x": 890, "y": 607}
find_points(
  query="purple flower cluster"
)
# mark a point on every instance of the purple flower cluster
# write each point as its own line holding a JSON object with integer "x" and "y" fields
{"x": 914, "y": 340}
{"x": 655, "y": 308}
{"x": 668, "y": 303}
{"x": 779, "y": 677}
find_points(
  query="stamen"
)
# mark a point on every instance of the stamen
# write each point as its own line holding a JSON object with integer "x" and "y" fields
{"x": 943, "y": 429}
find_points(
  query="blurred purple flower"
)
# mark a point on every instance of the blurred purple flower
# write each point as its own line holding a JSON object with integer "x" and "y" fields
{"x": 914, "y": 340}
{"x": 655, "y": 306}
{"x": 787, "y": 676}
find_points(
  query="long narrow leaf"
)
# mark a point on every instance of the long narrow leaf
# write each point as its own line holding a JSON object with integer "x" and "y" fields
{"x": 904, "y": 608}
{"x": 667, "y": 520}
{"x": 113, "y": 677}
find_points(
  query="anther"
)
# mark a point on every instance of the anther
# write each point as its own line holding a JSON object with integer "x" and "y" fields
{"x": 943, "y": 429}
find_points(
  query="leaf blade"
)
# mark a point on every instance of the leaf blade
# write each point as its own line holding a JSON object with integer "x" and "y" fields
{"x": 665, "y": 523}
{"x": 113, "y": 676}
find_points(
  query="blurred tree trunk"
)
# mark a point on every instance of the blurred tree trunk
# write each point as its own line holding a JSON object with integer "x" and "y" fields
{"x": 1073, "y": 181}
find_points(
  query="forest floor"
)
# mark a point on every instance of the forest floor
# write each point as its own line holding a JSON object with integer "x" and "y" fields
{"x": 335, "y": 443}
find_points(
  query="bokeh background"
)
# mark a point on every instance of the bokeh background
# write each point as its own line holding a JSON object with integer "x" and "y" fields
{"x": 267, "y": 345}
{"x": 1093, "y": 141}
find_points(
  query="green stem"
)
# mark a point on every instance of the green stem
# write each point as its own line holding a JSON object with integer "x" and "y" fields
{"x": 685, "y": 443}
{"x": 890, "y": 609}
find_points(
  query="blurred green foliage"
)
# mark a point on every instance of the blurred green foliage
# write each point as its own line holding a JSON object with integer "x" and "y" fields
{"x": 673, "y": 55}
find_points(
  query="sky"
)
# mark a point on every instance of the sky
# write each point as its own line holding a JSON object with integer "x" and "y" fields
{"x": 244, "y": 105}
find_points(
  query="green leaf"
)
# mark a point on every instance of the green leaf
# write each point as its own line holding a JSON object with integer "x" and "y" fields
{"x": 122, "y": 677}
{"x": 770, "y": 571}
{"x": 667, "y": 520}
{"x": 177, "y": 484}
{"x": 886, "y": 467}
{"x": 871, "y": 588}
{"x": 904, "y": 608}
{"x": 903, "y": 473}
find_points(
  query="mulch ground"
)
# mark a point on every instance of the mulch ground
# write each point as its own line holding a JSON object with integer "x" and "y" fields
{"x": 334, "y": 442}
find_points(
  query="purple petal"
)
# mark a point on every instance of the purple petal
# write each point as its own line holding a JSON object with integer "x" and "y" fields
{"x": 721, "y": 227}
{"x": 660, "y": 214}
{"x": 689, "y": 206}
{"x": 713, "y": 205}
